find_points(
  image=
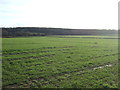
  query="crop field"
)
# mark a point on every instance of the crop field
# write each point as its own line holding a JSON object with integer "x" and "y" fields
{"x": 60, "y": 62}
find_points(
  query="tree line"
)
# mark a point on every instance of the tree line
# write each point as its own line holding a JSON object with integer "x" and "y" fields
{"x": 36, "y": 31}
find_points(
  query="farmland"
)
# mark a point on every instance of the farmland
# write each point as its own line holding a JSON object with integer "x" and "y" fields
{"x": 60, "y": 61}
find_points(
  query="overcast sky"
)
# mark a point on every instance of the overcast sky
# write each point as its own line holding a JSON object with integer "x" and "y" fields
{"x": 82, "y": 14}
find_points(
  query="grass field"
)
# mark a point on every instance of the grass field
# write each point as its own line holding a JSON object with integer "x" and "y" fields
{"x": 60, "y": 62}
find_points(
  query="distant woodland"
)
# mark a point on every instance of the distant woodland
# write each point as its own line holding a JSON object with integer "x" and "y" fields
{"x": 35, "y": 31}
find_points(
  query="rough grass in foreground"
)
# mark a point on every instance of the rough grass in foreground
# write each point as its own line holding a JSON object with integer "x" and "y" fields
{"x": 55, "y": 62}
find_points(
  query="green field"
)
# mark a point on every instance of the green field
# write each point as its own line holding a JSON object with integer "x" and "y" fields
{"x": 60, "y": 62}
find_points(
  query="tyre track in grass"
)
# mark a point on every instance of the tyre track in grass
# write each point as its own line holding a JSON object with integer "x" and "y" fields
{"x": 57, "y": 50}
{"x": 27, "y": 51}
{"x": 71, "y": 72}
{"x": 105, "y": 55}
{"x": 55, "y": 76}
{"x": 46, "y": 55}
{"x": 34, "y": 57}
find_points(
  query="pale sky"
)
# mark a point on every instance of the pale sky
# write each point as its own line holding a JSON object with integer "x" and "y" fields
{"x": 78, "y": 14}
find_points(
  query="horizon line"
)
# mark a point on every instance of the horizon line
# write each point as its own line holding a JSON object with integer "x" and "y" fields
{"x": 53, "y": 27}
